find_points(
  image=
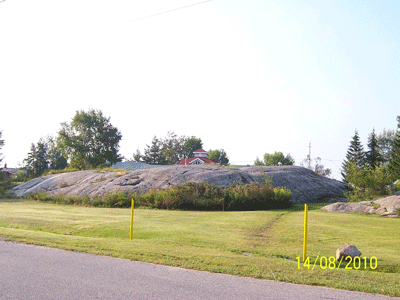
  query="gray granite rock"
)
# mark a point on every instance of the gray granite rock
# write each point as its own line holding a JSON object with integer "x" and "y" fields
{"x": 306, "y": 186}
{"x": 386, "y": 206}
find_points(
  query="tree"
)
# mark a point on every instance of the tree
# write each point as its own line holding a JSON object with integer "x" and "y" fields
{"x": 57, "y": 158}
{"x": 191, "y": 144}
{"x": 355, "y": 154}
{"x": 90, "y": 140}
{"x": 36, "y": 162}
{"x": 152, "y": 154}
{"x": 385, "y": 144}
{"x": 276, "y": 158}
{"x": 366, "y": 182}
{"x": 258, "y": 162}
{"x": 320, "y": 168}
{"x": 171, "y": 148}
{"x": 373, "y": 156}
{"x": 137, "y": 156}
{"x": 219, "y": 154}
{"x": 394, "y": 164}
{"x": 1, "y": 145}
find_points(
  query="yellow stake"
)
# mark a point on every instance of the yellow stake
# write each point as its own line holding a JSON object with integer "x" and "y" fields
{"x": 305, "y": 232}
{"x": 132, "y": 207}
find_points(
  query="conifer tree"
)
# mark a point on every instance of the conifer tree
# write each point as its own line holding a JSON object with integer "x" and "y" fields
{"x": 373, "y": 156}
{"x": 355, "y": 155}
{"x": 394, "y": 164}
{"x": 152, "y": 154}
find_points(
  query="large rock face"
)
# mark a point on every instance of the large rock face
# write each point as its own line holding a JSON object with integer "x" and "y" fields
{"x": 306, "y": 186}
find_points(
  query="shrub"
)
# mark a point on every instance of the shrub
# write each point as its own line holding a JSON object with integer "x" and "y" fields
{"x": 188, "y": 196}
{"x": 282, "y": 197}
{"x": 366, "y": 182}
{"x": 203, "y": 196}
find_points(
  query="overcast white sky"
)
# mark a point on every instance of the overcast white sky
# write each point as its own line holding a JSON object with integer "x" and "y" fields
{"x": 247, "y": 76}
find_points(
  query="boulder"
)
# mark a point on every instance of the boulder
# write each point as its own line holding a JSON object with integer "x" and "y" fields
{"x": 346, "y": 251}
{"x": 387, "y": 206}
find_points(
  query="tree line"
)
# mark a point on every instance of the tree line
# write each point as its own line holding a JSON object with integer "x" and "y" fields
{"x": 172, "y": 149}
{"x": 90, "y": 141}
{"x": 371, "y": 172}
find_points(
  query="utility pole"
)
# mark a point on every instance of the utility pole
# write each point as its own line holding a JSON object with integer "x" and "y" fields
{"x": 309, "y": 156}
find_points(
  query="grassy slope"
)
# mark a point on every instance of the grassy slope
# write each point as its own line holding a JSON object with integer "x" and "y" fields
{"x": 261, "y": 244}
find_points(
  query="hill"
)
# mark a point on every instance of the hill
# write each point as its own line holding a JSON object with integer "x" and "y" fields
{"x": 306, "y": 186}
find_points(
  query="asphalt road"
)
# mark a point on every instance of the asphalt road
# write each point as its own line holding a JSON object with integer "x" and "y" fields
{"x": 33, "y": 272}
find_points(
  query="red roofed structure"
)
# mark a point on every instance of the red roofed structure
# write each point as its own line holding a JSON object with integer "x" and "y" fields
{"x": 200, "y": 157}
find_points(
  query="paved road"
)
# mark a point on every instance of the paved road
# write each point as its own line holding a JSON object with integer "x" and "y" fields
{"x": 33, "y": 272}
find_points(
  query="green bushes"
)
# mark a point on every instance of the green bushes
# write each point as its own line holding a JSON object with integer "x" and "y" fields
{"x": 116, "y": 199}
{"x": 188, "y": 196}
{"x": 203, "y": 196}
{"x": 367, "y": 183}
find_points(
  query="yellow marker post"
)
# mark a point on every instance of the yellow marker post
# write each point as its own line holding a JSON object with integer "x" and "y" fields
{"x": 305, "y": 232}
{"x": 132, "y": 207}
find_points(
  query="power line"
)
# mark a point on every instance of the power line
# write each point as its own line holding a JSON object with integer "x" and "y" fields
{"x": 164, "y": 12}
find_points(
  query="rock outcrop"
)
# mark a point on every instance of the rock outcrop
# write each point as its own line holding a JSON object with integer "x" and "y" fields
{"x": 306, "y": 186}
{"x": 387, "y": 206}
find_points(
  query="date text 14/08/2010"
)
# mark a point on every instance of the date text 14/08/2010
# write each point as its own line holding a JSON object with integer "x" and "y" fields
{"x": 330, "y": 262}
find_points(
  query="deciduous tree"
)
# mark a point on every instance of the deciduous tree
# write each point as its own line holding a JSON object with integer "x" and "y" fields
{"x": 385, "y": 144}
{"x": 276, "y": 158}
{"x": 90, "y": 140}
{"x": 219, "y": 154}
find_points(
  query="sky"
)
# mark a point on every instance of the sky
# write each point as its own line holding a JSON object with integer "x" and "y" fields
{"x": 249, "y": 77}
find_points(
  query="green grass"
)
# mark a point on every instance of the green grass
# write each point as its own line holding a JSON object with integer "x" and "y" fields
{"x": 259, "y": 244}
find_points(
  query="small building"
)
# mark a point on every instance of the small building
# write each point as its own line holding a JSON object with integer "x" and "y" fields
{"x": 8, "y": 171}
{"x": 200, "y": 157}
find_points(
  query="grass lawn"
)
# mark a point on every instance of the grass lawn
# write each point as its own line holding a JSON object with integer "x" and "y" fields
{"x": 260, "y": 244}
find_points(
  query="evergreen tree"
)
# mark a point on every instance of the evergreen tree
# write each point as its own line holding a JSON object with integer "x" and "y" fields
{"x": 152, "y": 154}
{"x": 355, "y": 155}
{"x": 137, "y": 156}
{"x": 41, "y": 163}
{"x": 36, "y": 162}
{"x": 394, "y": 164}
{"x": 373, "y": 156}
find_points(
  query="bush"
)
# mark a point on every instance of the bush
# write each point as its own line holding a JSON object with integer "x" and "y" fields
{"x": 188, "y": 196}
{"x": 203, "y": 196}
{"x": 367, "y": 183}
